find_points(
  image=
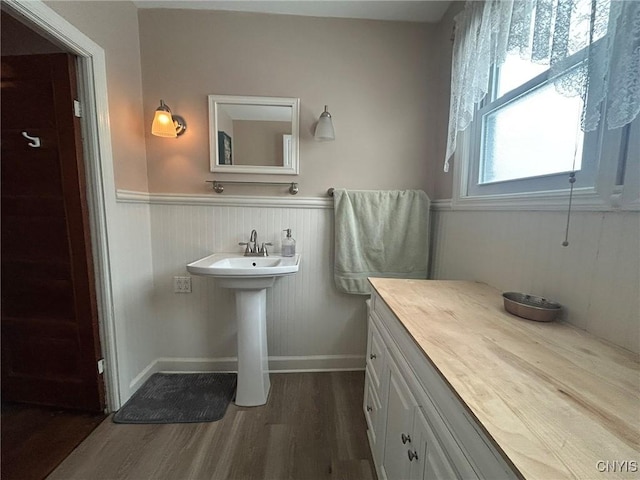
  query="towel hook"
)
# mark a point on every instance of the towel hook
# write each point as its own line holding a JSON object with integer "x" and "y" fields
{"x": 34, "y": 141}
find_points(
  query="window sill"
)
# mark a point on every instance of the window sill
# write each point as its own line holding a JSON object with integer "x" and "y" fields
{"x": 586, "y": 200}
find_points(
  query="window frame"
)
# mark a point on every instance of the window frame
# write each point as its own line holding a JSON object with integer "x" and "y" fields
{"x": 595, "y": 188}
{"x": 586, "y": 176}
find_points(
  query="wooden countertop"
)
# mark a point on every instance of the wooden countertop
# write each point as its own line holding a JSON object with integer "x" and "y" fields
{"x": 555, "y": 399}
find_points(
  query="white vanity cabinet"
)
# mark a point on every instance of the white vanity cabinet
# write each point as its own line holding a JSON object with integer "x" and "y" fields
{"x": 410, "y": 438}
{"x": 483, "y": 394}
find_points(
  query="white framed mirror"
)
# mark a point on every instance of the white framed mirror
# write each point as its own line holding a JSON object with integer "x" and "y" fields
{"x": 254, "y": 134}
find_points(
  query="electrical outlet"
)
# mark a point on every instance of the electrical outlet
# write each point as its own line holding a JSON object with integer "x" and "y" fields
{"x": 181, "y": 284}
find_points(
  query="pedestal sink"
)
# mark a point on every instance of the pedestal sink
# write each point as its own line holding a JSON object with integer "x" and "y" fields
{"x": 249, "y": 277}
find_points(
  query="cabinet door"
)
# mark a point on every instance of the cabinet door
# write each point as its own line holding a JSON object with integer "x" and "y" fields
{"x": 429, "y": 460}
{"x": 399, "y": 432}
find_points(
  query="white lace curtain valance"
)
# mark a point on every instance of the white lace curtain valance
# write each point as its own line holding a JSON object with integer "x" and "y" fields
{"x": 548, "y": 32}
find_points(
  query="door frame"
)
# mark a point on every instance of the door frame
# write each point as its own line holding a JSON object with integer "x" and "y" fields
{"x": 98, "y": 158}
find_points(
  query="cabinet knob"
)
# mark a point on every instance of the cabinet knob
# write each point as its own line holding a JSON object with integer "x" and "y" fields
{"x": 405, "y": 438}
{"x": 372, "y": 356}
{"x": 412, "y": 455}
{"x": 369, "y": 408}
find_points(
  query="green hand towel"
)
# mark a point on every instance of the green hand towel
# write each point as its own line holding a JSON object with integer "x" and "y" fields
{"x": 379, "y": 234}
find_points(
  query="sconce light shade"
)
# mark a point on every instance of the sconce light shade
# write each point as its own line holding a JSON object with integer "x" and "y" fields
{"x": 324, "y": 128}
{"x": 165, "y": 124}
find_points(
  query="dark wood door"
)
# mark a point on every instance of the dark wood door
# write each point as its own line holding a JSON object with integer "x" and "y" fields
{"x": 50, "y": 340}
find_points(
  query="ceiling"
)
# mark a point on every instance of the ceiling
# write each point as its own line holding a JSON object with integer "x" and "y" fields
{"x": 398, "y": 10}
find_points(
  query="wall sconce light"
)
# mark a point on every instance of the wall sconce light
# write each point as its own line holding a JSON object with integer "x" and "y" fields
{"x": 324, "y": 128}
{"x": 165, "y": 124}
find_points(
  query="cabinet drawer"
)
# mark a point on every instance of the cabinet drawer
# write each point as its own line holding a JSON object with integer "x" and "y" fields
{"x": 381, "y": 309}
{"x": 375, "y": 354}
{"x": 371, "y": 408}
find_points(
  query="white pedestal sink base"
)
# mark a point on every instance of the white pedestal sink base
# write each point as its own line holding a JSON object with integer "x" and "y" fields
{"x": 249, "y": 277}
{"x": 253, "y": 363}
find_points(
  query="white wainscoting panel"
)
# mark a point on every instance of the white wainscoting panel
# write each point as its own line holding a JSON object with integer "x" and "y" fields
{"x": 596, "y": 278}
{"x": 136, "y": 332}
{"x": 310, "y": 325}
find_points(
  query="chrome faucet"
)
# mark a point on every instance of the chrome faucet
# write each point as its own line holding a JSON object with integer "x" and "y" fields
{"x": 253, "y": 238}
{"x": 252, "y": 249}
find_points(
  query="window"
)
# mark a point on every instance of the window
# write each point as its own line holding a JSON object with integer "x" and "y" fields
{"x": 522, "y": 119}
{"x": 527, "y": 136}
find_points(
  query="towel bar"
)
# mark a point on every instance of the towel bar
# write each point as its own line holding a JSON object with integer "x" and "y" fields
{"x": 218, "y": 187}
{"x": 330, "y": 191}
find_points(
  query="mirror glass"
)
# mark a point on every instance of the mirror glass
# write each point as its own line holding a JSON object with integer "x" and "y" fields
{"x": 253, "y": 134}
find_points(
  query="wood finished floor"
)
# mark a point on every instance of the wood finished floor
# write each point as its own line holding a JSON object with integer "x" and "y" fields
{"x": 36, "y": 439}
{"x": 312, "y": 427}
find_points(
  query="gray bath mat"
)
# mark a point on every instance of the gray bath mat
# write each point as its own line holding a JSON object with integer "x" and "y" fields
{"x": 179, "y": 398}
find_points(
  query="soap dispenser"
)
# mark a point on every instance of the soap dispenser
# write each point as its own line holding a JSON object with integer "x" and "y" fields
{"x": 288, "y": 245}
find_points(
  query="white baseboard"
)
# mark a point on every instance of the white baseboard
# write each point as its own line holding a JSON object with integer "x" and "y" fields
{"x": 317, "y": 363}
{"x": 142, "y": 377}
{"x": 283, "y": 364}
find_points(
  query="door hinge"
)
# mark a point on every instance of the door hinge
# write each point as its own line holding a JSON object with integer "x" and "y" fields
{"x": 77, "y": 109}
{"x": 101, "y": 366}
